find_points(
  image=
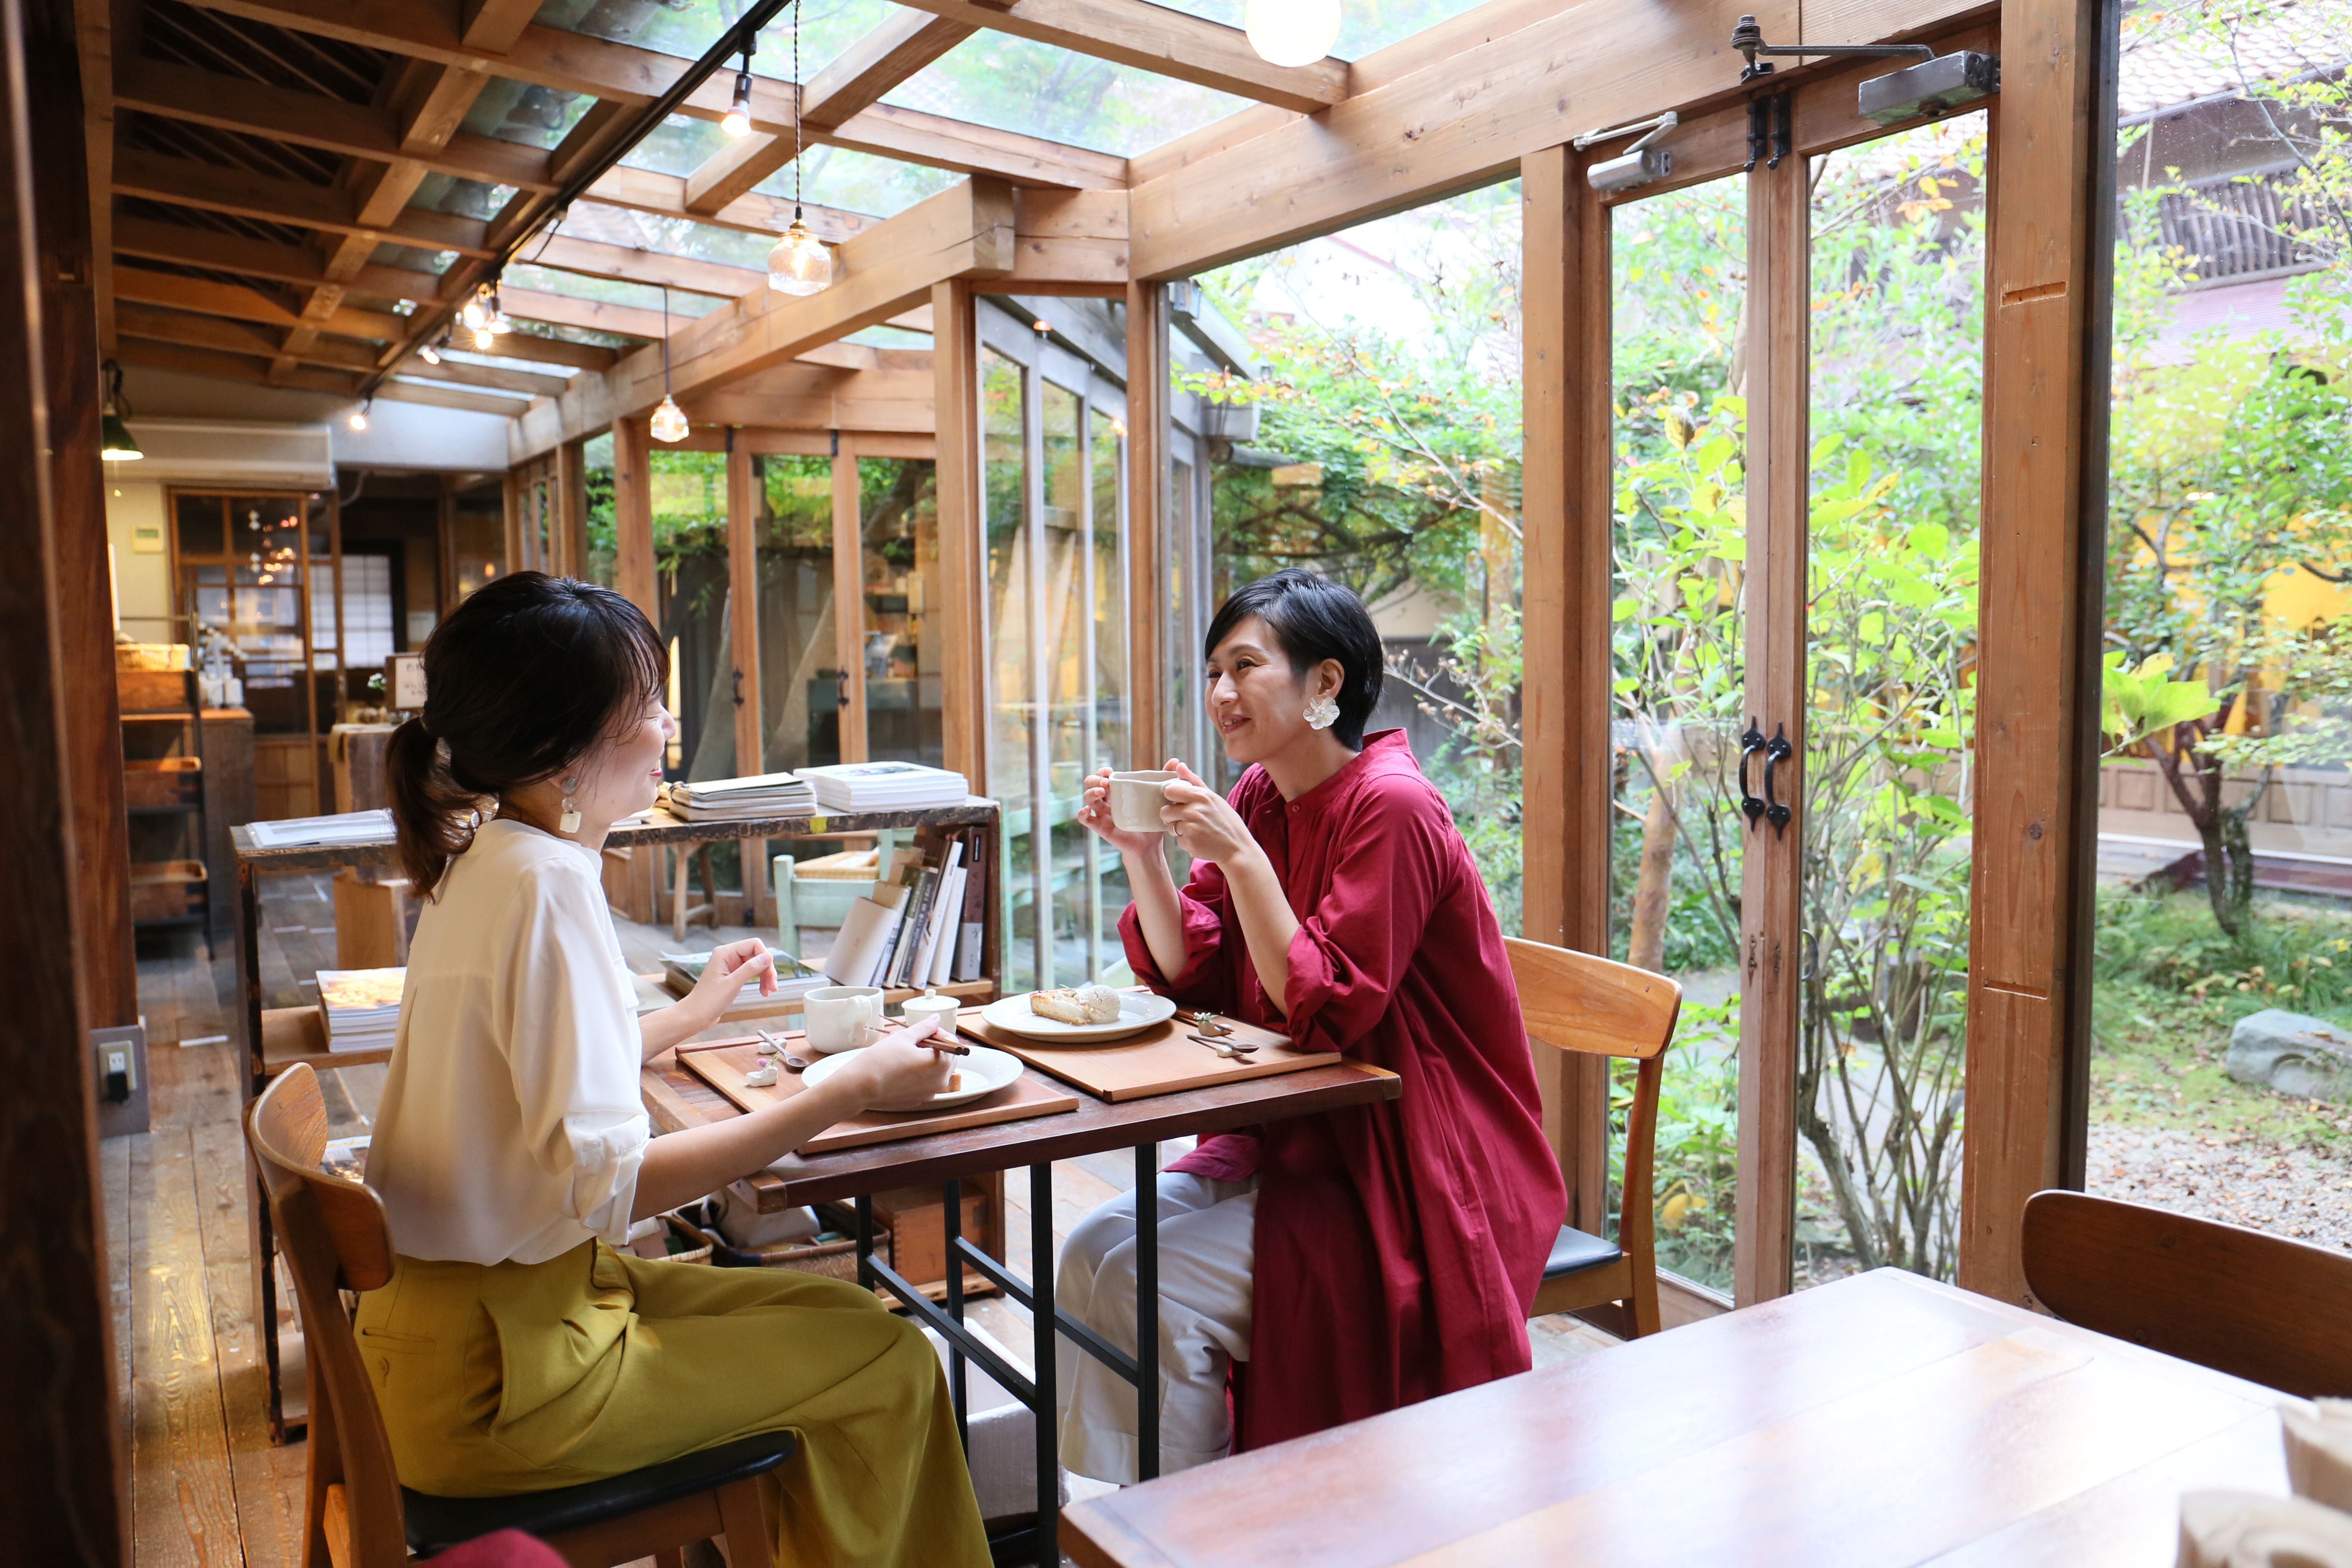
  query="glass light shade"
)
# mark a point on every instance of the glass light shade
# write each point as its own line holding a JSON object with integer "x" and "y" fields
{"x": 1292, "y": 32}
{"x": 669, "y": 421}
{"x": 485, "y": 338}
{"x": 501, "y": 323}
{"x": 473, "y": 312}
{"x": 115, "y": 442}
{"x": 800, "y": 264}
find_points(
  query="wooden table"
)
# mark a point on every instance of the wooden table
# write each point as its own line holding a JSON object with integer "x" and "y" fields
{"x": 1883, "y": 1419}
{"x": 678, "y": 1099}
{"x": 275, "y": 1038}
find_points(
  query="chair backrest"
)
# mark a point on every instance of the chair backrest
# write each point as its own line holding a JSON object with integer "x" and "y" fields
{"x": 1576, "y": 1002}
{"x": 335, "y": 1237}
{"x": 2264, "y": 1308}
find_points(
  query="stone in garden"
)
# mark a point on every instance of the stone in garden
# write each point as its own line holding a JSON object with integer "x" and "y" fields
{"x": 2292, "y": 1053}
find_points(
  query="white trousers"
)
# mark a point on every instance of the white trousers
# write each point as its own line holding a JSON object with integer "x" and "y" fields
{"x": 1207, "y": 1235}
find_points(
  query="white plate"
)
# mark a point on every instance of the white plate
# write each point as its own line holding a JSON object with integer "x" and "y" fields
{"x": 992, "y": 1069}
{"x": 1137, "y": 1011}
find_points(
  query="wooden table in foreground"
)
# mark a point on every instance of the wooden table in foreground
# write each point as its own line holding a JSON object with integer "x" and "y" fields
{"x": 677, "y": 1098}
{"x": 1884, "y": 1419}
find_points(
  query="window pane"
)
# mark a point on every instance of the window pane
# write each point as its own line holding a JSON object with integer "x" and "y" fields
{"x": 1105, "y": 729}
{"x": 1005, "y": 476}
{"x": 596, "y": 466}
{"x": 1066, "y": 629}
{"x": 201, "y": 529}
{"x": 899, "y": 514}
{"x": 1040, "y": 90}
{"x": 689, "y": 508}
{"x": 800, "y": 662}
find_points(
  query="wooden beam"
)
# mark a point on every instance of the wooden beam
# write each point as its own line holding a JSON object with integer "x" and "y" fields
{"x": 882, "y": 59}
{"x": 1780, "y": 398}
{"x": 744, "y": 611}
{"x": 1149, "y": 575}
{"x": 135, "y": 321}
{"x": 2037, "y": 661}
{"x": 965, "y": 231}
{"x": 1466, "y": 119}
{"x": 963, "y": 638}
{"x": 731, "y": 171}
{"x": 625, "y": 73}
{"x": 594, "y": 258}
{"x": 592, "y": 315}
{"x": 311, "y": 120}
{"x": 208, "y": 297}
{"x": 465, "y": 372}
{"x": 1158, "y": 40}
{"x": 222, "y": 252}
{"x": 632, "y": 518}
{"x": 235, "y": 365}
{"x": 1567, "y": 517}
{"x": 94, "y": 55}
{"x": 400, "y": 390}
{"x": 663, "y": 195}
{"x": 556, "y": 351}
{"x": 183, "y": 181}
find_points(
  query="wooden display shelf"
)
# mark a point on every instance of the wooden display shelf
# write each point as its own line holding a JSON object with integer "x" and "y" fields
{"x": 291, "y": 1034}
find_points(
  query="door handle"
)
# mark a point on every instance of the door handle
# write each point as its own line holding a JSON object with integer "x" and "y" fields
{"x": 1776, "y": 812}
{"x": 1750, "y": 803}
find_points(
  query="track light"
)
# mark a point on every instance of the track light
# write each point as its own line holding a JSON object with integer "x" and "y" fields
{"x": 430, "y": 353}
{"x": 738, "y": 121}
{"x": 359, "y": 420}
{"x": 1639, "y": 164}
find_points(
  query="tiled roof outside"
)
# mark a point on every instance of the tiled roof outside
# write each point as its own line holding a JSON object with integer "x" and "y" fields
{"x": 2164, "y": 64}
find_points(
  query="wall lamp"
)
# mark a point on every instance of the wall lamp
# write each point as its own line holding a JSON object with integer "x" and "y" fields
{"x": 1936, "y": 82}
{"x": 1639, "y": 164}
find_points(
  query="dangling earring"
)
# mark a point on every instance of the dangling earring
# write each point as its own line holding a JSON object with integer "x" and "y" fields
{"x": 1322, "y": 713}
{"x": 570, "y": 822}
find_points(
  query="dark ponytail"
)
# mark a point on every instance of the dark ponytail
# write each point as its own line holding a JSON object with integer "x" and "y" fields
{"x": 524, "y": 678}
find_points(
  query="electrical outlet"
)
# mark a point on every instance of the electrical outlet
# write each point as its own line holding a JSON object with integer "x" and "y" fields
{"x": 117, "y": 1056}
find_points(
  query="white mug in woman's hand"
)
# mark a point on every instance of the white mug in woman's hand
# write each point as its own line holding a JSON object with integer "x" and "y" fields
{"x": 842, "y": 1017}
{"x": 1135, "y": 799}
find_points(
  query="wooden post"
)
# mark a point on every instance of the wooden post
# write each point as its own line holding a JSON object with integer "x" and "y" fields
{"x": 2037, "y": 696}
{"x": 61, "y": 1468}
{"x": 570, "y": 461}
{"x": 93, "y": 725}
{"x": 850, "y": 599}
{"x": 743, "y": 650}
{"x": 515, "y": 497}
{"x": 964, "y": 647}
{"x": 1148, "y": 673}
{"x": 632, "y": 517}
{"x": 1780, "y": 378}
{"x": 1565, "y": 510}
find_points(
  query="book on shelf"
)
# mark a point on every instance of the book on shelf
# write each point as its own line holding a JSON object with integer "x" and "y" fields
{"x": 885, "y": 786}
{"x": 970, "y": 934}
{"x": 361, "y": 1007}
{"x": 903, "y": 936}
{"x": 681, "y": 972}
{"x": 863, "y": 941}
{"x": 739, "y": 800}
{"x": 322, "y": 832}
{"x": 943, "y": 900}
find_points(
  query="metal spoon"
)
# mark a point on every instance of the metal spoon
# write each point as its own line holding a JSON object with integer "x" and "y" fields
{"x": 1227, "y": 1048}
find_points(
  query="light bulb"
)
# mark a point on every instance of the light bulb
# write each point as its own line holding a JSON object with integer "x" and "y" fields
{"x": 501, "y": 323}
{"x": 359, "y": 418}
{"x": 485, "y": 338}
{"x": 429, "y": 354}
{"x": 115, "y": 442}
{"x": 738, "y": 121}
{"x": 473, "y": 311}
{"x": 800, "y": 264}
{"x": 669, "y": 421}
{"x": 1292, "y": 32}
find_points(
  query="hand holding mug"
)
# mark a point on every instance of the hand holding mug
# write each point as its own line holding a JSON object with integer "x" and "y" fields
{"x": 1206, "y": 826}
{"x": 1102, "y": 820}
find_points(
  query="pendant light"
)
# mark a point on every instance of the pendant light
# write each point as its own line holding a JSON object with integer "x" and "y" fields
{"x": 668, "y": 423}
{"x": 115, "y": 442}
{"x": 800, "y": 264}
{"x": 359, "y": 416}
{"x": 1292, "y": 32}
{"x": 738, "y": 121}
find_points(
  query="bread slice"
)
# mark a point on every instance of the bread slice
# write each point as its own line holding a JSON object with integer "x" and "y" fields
{"x": 1082, "y": 1004}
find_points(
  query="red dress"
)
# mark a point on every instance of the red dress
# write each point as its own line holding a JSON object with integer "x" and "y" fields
{"x": 1400, "y": 1244}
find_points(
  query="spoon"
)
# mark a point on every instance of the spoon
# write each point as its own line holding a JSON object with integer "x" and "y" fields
{"x": 1226, "y": 1048}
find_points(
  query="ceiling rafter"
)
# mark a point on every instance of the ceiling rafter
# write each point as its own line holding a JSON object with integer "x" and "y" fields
{"x": 663, "y": 195}
{"x": 1158, "y": 40}
{"x": 184, "y": 182}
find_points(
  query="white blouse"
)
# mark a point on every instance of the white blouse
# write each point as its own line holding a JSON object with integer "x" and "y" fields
{"x": 511, "y": 1127}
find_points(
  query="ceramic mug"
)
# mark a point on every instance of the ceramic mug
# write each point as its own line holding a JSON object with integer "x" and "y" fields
{"x": 1135, "y": 799}
{"x": 842, "y": 1017}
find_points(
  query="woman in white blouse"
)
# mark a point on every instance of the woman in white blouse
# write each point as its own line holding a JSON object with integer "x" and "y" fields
{"x": 516, "y": 1349}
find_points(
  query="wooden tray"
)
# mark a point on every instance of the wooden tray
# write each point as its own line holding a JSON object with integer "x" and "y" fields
{"x": 721, "y": 1064}
{"x": 1163, "y": 1060}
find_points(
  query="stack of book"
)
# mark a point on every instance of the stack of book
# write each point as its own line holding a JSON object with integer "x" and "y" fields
{"x": 885, "y": 786}
{"x": 923, "y": 925}
{"x": 682, "y": 971}
{"x": 309, "y": 832}
{"x": 741, "y": 800}
{"x": 361, "y": 1007}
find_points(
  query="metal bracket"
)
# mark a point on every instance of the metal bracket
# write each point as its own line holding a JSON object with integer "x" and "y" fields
{"x": 1749, "y": 40}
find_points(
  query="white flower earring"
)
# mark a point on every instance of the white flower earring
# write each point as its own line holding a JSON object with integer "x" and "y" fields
{"x": 570, "y": 823}
{"x": 1322, "y": 713}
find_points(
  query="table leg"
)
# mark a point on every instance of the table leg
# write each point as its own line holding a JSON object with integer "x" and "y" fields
{"x": 1147, "y": 1311}
{"x": 1048, "y": 1405}
{"x": 956, "y": 1381}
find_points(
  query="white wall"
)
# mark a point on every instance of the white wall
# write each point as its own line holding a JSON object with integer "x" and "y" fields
{"x": 143, "y": 576}
{"x": 399, "y": 434}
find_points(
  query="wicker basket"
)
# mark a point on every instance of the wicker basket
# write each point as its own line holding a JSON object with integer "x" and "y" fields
{"x": 834, "y": 1260}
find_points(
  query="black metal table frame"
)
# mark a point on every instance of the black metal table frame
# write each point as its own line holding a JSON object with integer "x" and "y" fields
{"x": 1038, "y": 1394}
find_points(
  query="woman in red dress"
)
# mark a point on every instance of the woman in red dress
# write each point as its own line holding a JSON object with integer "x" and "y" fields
{"x": 1359, "y": 1259}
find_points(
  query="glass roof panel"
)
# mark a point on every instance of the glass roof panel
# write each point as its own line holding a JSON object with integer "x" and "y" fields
{"x": 1012, "y": 84}
{"x": 1365, "y": 25}
{"x": 673, "y": 26}
{"x": 678, "y": 146}
{"x": 461, "y": 197}
{"x": 677, "y": 236}
{"x": 683, "y": 305}
{"x": 889, "y": 337}
{"x": 859, "y": 181}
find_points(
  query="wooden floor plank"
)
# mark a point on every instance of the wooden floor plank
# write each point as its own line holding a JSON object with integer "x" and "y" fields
{"x": 114, "y": 1190}
{"x": 184, "y": 1499}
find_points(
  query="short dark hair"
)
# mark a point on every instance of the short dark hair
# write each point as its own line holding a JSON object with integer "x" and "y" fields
{"x": 1313, "y": 619}
{"x": 523, "y": 679}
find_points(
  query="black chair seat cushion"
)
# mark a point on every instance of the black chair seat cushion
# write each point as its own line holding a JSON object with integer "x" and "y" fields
{"x": 1575, "y": 1252}
{"x": 438, "y": 1523}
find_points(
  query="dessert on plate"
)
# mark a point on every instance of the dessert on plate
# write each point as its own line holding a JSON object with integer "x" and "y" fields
{"x": 1080, "y": 1005}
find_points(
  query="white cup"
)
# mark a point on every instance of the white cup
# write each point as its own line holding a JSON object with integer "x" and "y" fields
{"x": 842, "y": 1017}
{"x": 1135, "y": 799}
{"x": 917, "y": 1008}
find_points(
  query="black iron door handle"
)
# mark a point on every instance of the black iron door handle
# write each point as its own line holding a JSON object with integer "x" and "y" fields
{"x": 1750, "y": 802}
{"x": 1776, "y": 812}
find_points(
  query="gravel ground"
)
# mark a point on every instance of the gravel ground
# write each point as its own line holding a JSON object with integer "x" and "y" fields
{"x": 2287, "y": 1192}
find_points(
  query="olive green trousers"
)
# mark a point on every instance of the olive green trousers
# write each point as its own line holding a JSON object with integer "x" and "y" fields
{"x": 517, "y": 1377}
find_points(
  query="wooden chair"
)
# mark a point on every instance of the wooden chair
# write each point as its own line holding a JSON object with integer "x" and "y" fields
{"x": 1575, "y": 1002}
{"x": 333, "y": 1235}
{"x": 2264, "y": 1308}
